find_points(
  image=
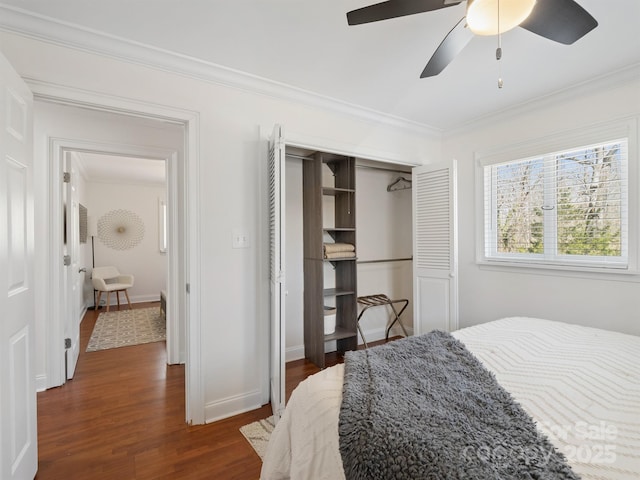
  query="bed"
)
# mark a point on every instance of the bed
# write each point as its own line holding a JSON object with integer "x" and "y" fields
{"x": 581, "y": 387}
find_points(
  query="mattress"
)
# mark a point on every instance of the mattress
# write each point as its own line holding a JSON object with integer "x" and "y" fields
{"x": 581, "y": 385}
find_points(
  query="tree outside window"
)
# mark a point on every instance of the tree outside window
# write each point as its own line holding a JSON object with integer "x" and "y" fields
{"x": 566, "y": 206}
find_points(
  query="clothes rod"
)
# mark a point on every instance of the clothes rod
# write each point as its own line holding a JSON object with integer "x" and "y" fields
{"x": 386, "y": 260}
{"x": 384, "y": 169}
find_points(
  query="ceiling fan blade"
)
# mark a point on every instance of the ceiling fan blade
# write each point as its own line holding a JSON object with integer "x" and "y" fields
{"x": 452, "y": 45}
{"x": 563, "y": 21}
{"x": 396, "y": 8}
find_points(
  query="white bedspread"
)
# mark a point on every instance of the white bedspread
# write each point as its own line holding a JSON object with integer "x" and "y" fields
{"x": 581, "y": 385}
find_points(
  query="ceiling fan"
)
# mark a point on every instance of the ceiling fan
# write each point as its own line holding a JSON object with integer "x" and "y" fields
{"x": 562, "y": 21}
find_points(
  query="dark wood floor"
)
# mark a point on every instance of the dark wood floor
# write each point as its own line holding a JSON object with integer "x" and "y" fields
{"x": 122, "y": 417}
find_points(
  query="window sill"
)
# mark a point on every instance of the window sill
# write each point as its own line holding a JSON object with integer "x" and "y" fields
{"x": 574, "y": 271}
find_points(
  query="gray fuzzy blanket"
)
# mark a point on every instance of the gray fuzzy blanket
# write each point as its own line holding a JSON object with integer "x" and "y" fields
{"x": 425, "y": 408}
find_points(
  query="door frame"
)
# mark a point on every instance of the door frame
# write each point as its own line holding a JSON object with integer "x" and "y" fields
{"x": 187, "y": 242}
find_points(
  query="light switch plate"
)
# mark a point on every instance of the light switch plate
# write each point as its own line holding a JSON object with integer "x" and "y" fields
{"x": 240, "y": 239}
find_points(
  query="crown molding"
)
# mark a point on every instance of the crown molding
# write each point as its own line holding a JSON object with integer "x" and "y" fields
{"x": 623, "y": 76}
{"x": 46, "y": 29}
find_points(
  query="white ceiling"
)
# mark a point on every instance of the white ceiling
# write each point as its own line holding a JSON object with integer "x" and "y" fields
{"x": 307, "y": 44}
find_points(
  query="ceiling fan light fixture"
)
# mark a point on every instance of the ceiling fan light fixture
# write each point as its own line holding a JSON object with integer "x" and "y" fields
{"x": 482, "y": 15}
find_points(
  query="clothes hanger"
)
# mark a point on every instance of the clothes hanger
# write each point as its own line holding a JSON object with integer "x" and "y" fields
{"x": 400, "y": 183}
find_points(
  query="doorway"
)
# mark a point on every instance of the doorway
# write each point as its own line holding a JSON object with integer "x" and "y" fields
{"x": 104, "y": 134}
{"x": 181, "y": 165}
{"x": 125, "y": 196}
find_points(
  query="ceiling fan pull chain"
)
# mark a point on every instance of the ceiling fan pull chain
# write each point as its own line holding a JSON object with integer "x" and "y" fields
{"x": 498, "y": 57}
{"x": 499, "y": 50}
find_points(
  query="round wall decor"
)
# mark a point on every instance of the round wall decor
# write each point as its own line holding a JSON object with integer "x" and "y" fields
{"x": 120, "y": 229}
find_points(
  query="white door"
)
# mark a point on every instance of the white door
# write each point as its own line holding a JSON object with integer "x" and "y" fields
{"x": 18, "y": 440}
{"x": 276, "y": 275}
{"x": 72, "y": 286}
{"x": 435, "y": 262}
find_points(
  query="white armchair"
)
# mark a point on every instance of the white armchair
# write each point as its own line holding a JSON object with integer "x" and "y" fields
{"x": 109, "y": 279}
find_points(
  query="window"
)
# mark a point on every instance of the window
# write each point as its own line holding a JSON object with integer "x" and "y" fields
{"x": 568, "y": 207}
{"x": 162, "y": 226}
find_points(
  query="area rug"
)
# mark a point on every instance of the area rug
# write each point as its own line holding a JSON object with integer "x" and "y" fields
{"x": 123, "y": 328}
{"x": 258, "y": 433}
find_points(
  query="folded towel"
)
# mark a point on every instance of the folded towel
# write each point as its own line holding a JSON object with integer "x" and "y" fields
{"x": 338, "y": 247}
{"x": 340, "y": 255}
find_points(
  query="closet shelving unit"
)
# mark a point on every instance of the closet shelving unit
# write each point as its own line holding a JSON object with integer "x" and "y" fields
{"x": 318, "y": 290}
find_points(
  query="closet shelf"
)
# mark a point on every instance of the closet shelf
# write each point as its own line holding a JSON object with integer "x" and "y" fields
{"x": 341, "y": 259}
{"x": 339, "y": 229}
{"x": 337, "y": 292}
{"x": 340, "y": 333}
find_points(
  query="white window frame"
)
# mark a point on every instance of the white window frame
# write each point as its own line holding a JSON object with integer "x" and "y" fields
{"x": 539, "y": 148}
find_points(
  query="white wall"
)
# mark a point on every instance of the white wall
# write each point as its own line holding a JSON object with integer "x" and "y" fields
{"x": 383, "y": 231}
{"x": 232, "y": 186}
{"x": 486, "y": 294}
{"x": 144, "y": 261}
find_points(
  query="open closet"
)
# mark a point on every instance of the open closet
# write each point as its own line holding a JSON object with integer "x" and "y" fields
{"x": 391, "y": 230}
{"x": 348, "y": 234}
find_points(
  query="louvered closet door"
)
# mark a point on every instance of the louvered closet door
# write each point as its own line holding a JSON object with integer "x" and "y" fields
{"x": 276, "y": 269}
{"x": 435, "y": 263}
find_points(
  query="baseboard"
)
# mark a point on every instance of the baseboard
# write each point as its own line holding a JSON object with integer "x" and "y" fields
{"x": 230, "y": 406}
{"x": 41, "y": 383}
{"x": 294, "y": 353}
{"x": 151, "y": 297}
